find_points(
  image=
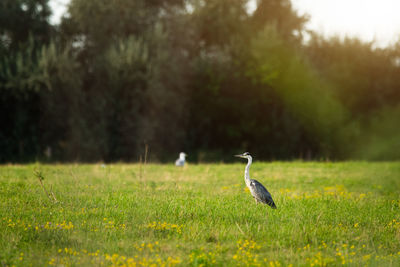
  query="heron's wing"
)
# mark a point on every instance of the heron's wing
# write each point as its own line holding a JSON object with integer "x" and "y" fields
{"x": 262, "y": 193}
{"x": 179, "y": 162}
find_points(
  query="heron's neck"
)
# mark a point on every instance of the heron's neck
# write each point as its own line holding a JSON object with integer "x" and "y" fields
{"x": 246, "y": 171}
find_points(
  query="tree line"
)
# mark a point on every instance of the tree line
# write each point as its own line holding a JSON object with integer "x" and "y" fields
{"x": 210, "y": 78}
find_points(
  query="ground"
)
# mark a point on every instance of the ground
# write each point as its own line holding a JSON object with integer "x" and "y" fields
{"x": 200, "y": 215}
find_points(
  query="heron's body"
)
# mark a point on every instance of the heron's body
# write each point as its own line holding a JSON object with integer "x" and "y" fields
{"x": 260, "y": 193}
{"x": 181, "y": 161}
{"x": 257, "y": 190}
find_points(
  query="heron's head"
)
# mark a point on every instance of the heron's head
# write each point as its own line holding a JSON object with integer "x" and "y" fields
{"x": 245, "y": 155}
{"x": 182, "y": 155}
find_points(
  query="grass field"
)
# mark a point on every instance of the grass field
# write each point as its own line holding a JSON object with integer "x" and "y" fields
{"x": 200, "y": 215}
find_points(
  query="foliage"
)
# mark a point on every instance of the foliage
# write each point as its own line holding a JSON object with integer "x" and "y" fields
{"x": 22, "y": 19}
{"x": 206, "y": 77}
{"x": 23, "y": 30}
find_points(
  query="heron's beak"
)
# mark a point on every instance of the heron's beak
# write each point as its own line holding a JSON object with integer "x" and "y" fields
{"x": 239, "y": 156}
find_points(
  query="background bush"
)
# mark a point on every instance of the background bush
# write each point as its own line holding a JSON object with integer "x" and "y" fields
{"x": 205, "y": 77}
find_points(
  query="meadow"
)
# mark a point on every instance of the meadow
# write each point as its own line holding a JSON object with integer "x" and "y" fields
{"x": 200, "y": 215}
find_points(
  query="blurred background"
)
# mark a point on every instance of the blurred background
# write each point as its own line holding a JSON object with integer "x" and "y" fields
{"x": 105, "y": 80}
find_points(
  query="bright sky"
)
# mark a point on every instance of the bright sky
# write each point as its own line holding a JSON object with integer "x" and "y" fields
{"x": 369, "y": 20}
{"x": 58, "y": 8}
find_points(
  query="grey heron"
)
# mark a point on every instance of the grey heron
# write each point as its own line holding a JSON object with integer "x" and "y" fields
{"x": 257, "y": 190}
{"x": 181, "y": 160}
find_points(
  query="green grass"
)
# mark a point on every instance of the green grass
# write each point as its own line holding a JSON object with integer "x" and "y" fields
{"x": 328, "y": 214}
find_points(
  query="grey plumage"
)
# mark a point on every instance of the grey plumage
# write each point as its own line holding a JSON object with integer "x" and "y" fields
{"x": 261, "y": 194}
{"x": 181, "y": 160}
{"x": 257, "y": 190}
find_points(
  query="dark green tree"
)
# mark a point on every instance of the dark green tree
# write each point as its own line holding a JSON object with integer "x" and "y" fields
{"x": 24, "y": 28}
{"x": 129, "y": 75}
